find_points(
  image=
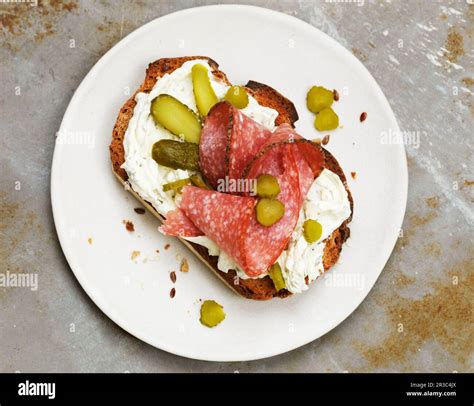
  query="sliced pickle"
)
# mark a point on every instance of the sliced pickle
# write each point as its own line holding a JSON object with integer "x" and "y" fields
{"x": 176, "y": 154}
{"x": 277, "y": 276}
{"x": 176, "y": 117}
{"x": 269, "y": 211}
{"x": 203, "y": 91}
{"x": 237, "y": 96}
{"x": 326, "y": 120}
{"x": 177, "y": 185}
{"x": 212, "y": 313}
{"x": 197, "y": 181}
{"x": 319, "y": 98}
{"x": 312, "y": 230}
{"x": 267, "y": 186}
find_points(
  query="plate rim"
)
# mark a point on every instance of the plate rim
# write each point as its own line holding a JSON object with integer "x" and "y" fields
{"x": 54, "y": 188}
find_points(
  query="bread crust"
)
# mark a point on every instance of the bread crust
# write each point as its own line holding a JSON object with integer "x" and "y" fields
{"x": 256, "y": 289}
{"x": 269, "y": 97}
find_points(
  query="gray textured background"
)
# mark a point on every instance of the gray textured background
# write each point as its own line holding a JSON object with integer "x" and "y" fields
{"x": 418, "y": 317}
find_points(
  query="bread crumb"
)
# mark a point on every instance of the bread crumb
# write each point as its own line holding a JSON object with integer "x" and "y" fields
{"x": 184, "y": 265}
{"x": 135, "y": 254}
{"x": 129, "y": 225}
{"x": 167, "y": 246}
{"x": 317, "y": 141}
{"x": 89, "y": 240}
{"x": 353, "y": 174}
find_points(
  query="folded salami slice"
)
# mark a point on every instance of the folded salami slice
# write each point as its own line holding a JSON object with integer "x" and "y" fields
{"x": 264, "y": 245}
{"x": 214, "y": 141}
{"x": 313, "y": 155}
{"x": 308, "y": 155}
{"x": 306, "y": 175}
{"x": 178, "y": 224}
{"x": 229, "y": 140}
{"x": 246, "y": 139}
{"x": 222, "y": 217}
{"x": 229, "y": 221}
{"x": 295, "y": 162}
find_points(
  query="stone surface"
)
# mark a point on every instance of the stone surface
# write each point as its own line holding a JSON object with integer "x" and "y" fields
{"x": 418, "y": 317}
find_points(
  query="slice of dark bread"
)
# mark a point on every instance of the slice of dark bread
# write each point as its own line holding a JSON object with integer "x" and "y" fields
{"x": 257, "y": 289}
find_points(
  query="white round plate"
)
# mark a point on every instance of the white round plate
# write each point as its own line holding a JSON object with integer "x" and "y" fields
{"x": 88, "y": 202}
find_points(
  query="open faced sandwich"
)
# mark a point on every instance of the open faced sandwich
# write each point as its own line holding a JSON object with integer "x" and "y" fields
{"x": 224, "y": 170}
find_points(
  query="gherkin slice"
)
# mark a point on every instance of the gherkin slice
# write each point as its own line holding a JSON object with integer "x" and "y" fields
{"x": 212, "y": 313}
{"x": 269, "y": 211}
{"x": 177, "y": 185}
{"x": 176, "y": 155}
{"x": 203, "y": 91}
{"x": 197, "y": 181}
{"x": 326, "y": 120}
{"x": 176, "y": 117}
{"x": 237, "y": 96}
{"x": 277, "y": 276}
{"x": 267, "y": 186}
{"x": 319, "y": 98}
{"x": 312, "y": 230}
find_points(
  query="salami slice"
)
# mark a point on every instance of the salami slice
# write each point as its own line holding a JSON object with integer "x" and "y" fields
{"x": 284, "y": 133}
{"x": 178, "y": 224}
{"x": 313, "y": 155}
{"x": 263, "y": 245}
{"x": 222, "y": 217}
{"x": 305, "y": 173}
{"x": 308, "y": 155}
{"x": 246, "y": 139}
{"x": 229, "y": 140}
{"x": 214, "y": 141}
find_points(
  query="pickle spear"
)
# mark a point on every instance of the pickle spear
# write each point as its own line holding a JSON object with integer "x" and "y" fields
{"x": 197, "y": 181}
{"x": 176, "y": 154}
{"x": 203, "y": 91}
{"x": 176, "y": 117}
{"x": 277, "y": 276}
{"x": 177, "y": 185}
